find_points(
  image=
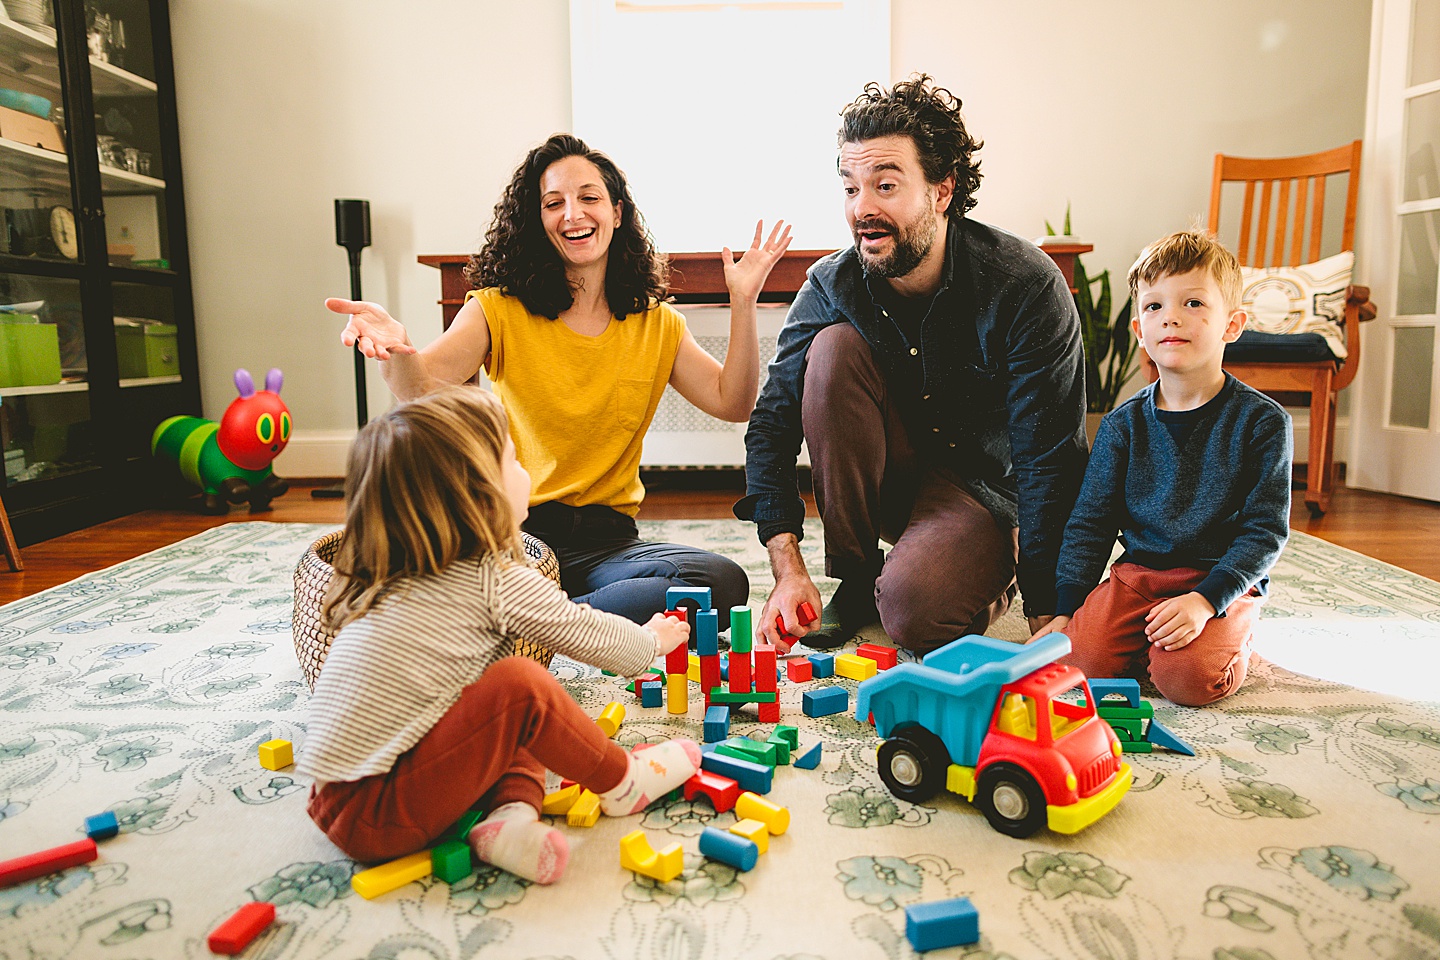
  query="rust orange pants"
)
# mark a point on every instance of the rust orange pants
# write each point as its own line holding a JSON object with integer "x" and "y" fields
{"x": 1107, "y": 635}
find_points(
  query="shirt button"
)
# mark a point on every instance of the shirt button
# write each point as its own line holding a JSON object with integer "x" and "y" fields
{"x": 885, "y": 314}
{"x": 913, "y": 351}
{"x": 934, "y": 429}
{"x": 926, "y": 397}
{"x": 952, "y": 445}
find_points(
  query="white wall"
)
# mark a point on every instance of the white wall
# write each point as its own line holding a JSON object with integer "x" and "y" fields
{"x": 1115, "y": 106}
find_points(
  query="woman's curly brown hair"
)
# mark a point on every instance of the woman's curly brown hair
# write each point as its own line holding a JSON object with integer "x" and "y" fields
{"x": 519, "y": 259}
{"x": 929, "y": 116}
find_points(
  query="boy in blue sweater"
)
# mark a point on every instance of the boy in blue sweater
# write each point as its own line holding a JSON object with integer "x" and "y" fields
{"x": 1193, "y": 472}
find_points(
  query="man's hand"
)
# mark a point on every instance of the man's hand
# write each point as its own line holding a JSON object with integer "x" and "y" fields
{"x": 793, "y": 587}
{"x": 1039, "y": 626}
{"x": 1173, "y": 623}
{"x": 371, "y": 330}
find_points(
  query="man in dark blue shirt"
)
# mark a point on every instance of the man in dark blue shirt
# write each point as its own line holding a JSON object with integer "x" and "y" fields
{"x": 935, "y": 371}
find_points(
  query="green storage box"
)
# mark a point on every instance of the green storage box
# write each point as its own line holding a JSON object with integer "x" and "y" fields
{"x": 147, "y": 350}
{"x": 29, "y": 352}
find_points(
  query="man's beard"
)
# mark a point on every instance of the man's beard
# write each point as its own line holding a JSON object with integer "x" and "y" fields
{"x": 911, "y": 246}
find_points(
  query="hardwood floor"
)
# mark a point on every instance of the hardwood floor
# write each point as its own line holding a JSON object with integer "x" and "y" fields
{"x": 1396, "y": 530}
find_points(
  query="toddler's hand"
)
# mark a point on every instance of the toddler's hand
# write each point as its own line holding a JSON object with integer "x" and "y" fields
{"x": 670, "y": 632}
{"x": 1173, "y": 623}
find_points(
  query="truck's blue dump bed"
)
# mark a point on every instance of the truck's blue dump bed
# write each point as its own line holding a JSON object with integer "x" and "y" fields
{"x": 952, "y": 691}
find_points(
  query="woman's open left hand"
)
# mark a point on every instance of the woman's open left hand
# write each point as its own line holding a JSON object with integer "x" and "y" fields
{"x": 745, "y": 278}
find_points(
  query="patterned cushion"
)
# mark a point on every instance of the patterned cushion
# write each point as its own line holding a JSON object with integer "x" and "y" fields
{"x": 1309, "y": 298}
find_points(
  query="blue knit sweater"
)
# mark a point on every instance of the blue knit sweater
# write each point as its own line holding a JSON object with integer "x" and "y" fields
{"x": 1220, "y": 502}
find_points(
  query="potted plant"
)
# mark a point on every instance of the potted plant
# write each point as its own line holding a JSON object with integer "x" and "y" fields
{"x": 1110, "y": 348}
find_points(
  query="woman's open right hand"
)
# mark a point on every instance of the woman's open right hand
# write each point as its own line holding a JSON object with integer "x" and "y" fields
{"x": 371, "y": 330}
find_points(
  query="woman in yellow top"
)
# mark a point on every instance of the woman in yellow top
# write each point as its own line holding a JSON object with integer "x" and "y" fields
{"x": 569, "y": 323}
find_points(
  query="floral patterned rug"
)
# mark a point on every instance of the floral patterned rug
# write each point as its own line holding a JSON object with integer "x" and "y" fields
{"x": 1307, "y": 824}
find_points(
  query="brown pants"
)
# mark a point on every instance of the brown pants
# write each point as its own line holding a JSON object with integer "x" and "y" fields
{"x": 952, "y": 569}
{"x": 1107, "y": 636}
{"x": 492, "y": 747}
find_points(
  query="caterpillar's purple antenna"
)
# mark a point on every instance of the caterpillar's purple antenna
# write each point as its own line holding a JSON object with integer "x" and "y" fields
{"x": 244, "y": 383}
{"x": 273, "y": 380}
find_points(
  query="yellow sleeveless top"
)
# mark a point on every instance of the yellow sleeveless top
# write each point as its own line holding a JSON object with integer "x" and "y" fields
{"x": 579, "y": 406}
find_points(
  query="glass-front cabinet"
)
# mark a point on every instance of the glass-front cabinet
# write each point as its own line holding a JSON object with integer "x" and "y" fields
{"x": 97, "y": 338}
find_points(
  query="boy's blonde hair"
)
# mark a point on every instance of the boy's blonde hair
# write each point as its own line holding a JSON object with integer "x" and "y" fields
{"x": 1187, "y": 250}
{"x": 424, "y": 487}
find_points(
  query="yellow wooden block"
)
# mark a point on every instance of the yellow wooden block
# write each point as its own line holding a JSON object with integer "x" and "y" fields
{"x": 677, "y": 693}
{"x": 636, "y": 854}
{"x": 390, "y": 876}
{"x": 752, "y": 806}
{"x": 856, "y": 668}
{"x": 693, "y": 674}
{"x": 754, "y": 831}
{"x": 560, "y": 801}
{"x": 610, "y": 718}
{"x": 585, "y": 812}
{"x": 275, "y": 754}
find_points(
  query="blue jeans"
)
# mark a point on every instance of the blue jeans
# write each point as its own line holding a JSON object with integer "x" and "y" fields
{"x": 603, "y": 562}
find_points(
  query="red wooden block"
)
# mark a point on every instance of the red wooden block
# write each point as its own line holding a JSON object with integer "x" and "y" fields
{"x": 739, "y": 672}
{"x": 769, "y": 712}
{"x": 799, "y": 670}
{"x": 244, "y": 925}
{"x": 884, "y": 657}
{"x": 46, "y": 862}
{"x": 764, "y": 668}
{"x": 677, "y": 660}
{"x": 722, "y": 791}
{"x": 709, "y": 674}
{"x": 807, "y": 614}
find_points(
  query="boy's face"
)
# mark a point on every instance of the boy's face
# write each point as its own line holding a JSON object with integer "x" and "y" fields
{"x": 1183, "y": 324}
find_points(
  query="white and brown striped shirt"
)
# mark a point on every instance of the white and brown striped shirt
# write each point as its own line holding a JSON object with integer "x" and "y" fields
{"x": 393, "y": 673}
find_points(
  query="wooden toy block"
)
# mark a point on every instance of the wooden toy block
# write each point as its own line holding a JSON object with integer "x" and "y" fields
{"x": 807, "y": 614}
{"x": 750, "y": 806}
{"x": 790, "y": 734}
{"x": 725, "y": 667}
{"x": 722, "y": 791}
{"x": 719, "y": 695}
{"x": 768, "y": 712}
{"x": 799, "y": 671}
{"x": 742, "y": 629}
{"x": 810, "y": 759}
{"x": 677, "y": 693}
{"x": 450, "y": 861}
{"x": 460, "y": 829}
{"x": 884, "y": 657}
{"x": 276, "y": 754}
{"x": 46, "y": 862}
{"x": 391, "y": 876}
{"x": 244, "y": 925}
{"x": 585, "y": 812}
{"x": 710, "y": 675}
{"x": 823, "y": 665}
{"x": 699, "y": 595}
{"x": 610, "y": 718}
{"x": 766, "y": 674}
{"x": 782, "y": 750}
{"x": 692, "y": 671}
{"x": 739, "y": 672}
{"x": 651, "y": 674}
{"x": 636, "y": 854}
{"x": 743, "y": 748}
{"x": 652, "y": 694}
{"x": 1124, "y": 686}
{"x": 755, "y": 777}
{"x": 855, "y": 668}
{"x": 102, "y": 826}
{"x": 941, "y": 923}
{"x": 825, "y": 701}
{"x": 707, "y": 633}
{"x": 677, "y": 661}
{"x": 717, "y": 724}
{"x": 754, "y": 831}
{"x": 1137, "y": 746}
{"x": 1127, "y": 729}
{"x": 738, "y": 852}
{"x": 1109, "y": 709}
{"x": 561, "y": 800}
{"x": 1162, "y": 736}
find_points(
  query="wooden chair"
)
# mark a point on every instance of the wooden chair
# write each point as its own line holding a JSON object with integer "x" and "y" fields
{"x": 1291, "y": 382}
{"x": 12, "y": 549}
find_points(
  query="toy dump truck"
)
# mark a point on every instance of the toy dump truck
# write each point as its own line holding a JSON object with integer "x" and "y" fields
{"x": 1004, "y": 726}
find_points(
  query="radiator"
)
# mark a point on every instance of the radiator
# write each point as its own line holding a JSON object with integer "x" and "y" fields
{"x": 681, "y": 435}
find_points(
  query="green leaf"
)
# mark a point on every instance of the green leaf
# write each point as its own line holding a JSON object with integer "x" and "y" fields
{"x": 1049, "y": 230}
{"x": 1067, "y": 218}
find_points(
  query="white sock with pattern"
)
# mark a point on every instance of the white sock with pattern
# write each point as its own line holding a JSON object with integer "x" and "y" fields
{"x": 655, "y": 770}
{"x": 513, "y": 839}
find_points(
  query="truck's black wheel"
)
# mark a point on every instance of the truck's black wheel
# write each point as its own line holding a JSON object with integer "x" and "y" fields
{"x": 1011, "y": 800}
{"x": 913, "y": 763}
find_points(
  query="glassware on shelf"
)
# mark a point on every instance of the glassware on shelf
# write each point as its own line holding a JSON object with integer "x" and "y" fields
{"x": 115, "y": 49}
{"x": 99, "y": 37}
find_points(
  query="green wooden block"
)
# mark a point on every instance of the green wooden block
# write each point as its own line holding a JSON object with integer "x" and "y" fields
{"x": 450, "y": 861}
{"x": 1143, "y": 712}
{"x": 791, "y": 735}
{"x": 721, "y": 695}
{"x": 1127, "y": 729}
{"x": 742, "y": 748}
{"x": 460, "y": 829}
{"x": 782, "y": 749}
{"x": 1132, "y": 746}
{"x": 742, "y": 629}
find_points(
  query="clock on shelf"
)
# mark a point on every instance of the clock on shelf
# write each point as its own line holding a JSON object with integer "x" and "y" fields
{"x": 62, "y": 231}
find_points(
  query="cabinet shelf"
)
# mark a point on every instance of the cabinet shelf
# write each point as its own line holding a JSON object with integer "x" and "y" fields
{"x": 31, "y": 54}
{"x": 79, "y": 387}
{"x": 45, "y": 171}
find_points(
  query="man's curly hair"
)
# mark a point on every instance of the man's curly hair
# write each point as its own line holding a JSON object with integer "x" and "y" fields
{"x": 930, "y": 117}
{"x": 518, "y": 258}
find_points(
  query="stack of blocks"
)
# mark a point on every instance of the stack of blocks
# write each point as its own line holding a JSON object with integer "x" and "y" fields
{"x": 1134, "y": 723}
{"x": 752, "y": 673}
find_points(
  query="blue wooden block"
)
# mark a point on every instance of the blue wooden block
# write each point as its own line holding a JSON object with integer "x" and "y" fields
{"x": 725, "y": 666}
{"x": 652, "y": 694}
{"x": 674, "y": 595}
{"x": 941, "y": 923}
{"x": 102, "y": 826}
{"x": 1128, "y": 688}
{"x": 707, "y": 633}
{"x": 717, "y": 724}
{"x": 727, "y": 847}
{"x": 1162, "y": 736}
{"x": 755, "y": 777}
{"x": 825, "y": 701}
{"x": 825, "y": 665}
{"x": 810, "y": 759}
